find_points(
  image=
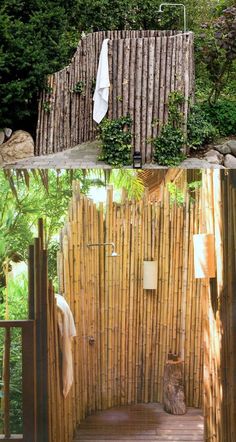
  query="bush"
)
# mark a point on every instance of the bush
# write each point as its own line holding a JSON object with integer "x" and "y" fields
{"x": 116, "y": 141}
{"x": 36, "y": 40}
{"x": 222, "y": 115}
{"x": 18, "y": 310}
{"x": 167, "y": 147}
{"x": 200, "y": 130}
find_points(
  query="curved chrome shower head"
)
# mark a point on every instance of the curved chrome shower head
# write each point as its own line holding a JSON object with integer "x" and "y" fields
{"x": 114, "y": 255}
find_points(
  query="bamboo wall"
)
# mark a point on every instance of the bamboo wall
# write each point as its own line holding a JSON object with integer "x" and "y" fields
{"x": 134, "y": 329}
{"x": 219, "y": 217}
{"x": 145, "y": 66}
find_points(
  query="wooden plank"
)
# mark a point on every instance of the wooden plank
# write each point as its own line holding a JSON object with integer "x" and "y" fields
{"x": 31, "y": 299}
{"x": 29, "y": 382}
{"x": 142, "y": 422}
{"x": 6, "y": 382}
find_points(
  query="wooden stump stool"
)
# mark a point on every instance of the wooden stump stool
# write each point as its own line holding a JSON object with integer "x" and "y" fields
{"x": 173, "y": 394}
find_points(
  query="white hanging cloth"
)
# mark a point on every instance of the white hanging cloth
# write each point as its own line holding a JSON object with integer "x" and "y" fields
{"x": 67, "y": 333}
{"x": 101, "y": 94}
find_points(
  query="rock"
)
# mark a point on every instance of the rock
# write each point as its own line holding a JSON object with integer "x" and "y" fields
{"x": 214, "y": 157}
{"x": 224, "y": 149}
{"x": 8, "y": 132}
{"x": 232, "y": 146}
{"x": 2, "y": 137}
{"x": 194, "y": 163}
{"x": 230, "y": 162}
{"x": 215, "y": 166}
{"x": 19, "y": 146}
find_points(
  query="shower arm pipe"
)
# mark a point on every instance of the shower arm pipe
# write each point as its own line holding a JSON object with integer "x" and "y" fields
{"x": 102, "y": 245}
{"x": 176, "y": 4}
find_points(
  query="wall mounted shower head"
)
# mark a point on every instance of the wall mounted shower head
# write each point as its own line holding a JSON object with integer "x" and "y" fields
{"x": 113, "y": 255}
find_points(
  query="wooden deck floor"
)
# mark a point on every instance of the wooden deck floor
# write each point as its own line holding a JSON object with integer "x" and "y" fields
{"x": 147, "y": 423}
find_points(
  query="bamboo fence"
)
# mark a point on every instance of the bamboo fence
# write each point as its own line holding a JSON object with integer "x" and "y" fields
{"x": 144, "y": 67}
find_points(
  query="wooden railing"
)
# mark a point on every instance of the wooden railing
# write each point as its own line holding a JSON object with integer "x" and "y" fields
{"x": 35, "y": 369}
{"x": 28, "y": 381}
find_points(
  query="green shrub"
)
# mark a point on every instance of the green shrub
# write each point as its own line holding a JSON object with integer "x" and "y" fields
{"x": 222, "y": 115}
{"x": 200, "y": 130}
{"x": 116, "y": 141}
{"x": 167, "y": 147}
{"x": 18, "y": 310}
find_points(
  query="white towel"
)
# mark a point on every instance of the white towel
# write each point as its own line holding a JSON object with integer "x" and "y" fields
{"x": 101, "y": 94}
{"x": 67, "y": 333}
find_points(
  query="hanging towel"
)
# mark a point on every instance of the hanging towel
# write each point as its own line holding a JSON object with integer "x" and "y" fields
{"x": 67, "y": 333}
{"x": 101, "y": 94}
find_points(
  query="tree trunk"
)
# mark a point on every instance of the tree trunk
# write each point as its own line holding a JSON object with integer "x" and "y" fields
{"x": 173, "y": 395}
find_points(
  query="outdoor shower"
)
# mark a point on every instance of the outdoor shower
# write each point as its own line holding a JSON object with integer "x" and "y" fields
{"x": 113, "y": 253}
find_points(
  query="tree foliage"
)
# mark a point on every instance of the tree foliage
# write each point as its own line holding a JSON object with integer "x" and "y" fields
{"x": 218, "y": 49}
{"x": 38, "y": 38}
{"x": 22, "y": 205}
{"x": 25, "y": 198}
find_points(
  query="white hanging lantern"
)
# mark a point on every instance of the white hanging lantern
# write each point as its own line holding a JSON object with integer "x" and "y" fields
{"x": 150, "y": 275}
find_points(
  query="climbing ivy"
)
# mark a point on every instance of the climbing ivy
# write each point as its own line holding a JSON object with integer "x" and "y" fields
{"x": 116, "y": 141}
{"x": 79, "y": 87}
{"x": 175, "y": 116}
{"x": 169, "y": 144}
{"x": 46, "y": 106}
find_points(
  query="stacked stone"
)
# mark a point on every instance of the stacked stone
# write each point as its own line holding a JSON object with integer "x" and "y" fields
{"x": 223, "y": 155}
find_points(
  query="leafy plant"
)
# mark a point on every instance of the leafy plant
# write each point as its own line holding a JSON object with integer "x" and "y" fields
{"x": 93, "y": 85}
{"x": 200, "y": 129}
{"x": 176, "y": 195}
{"x": 175, "y": 101}
{"x": 79, "y": 88}
{"x": 168, "y": 146}
{"x": 222, "y": 115}
{"x": 46, "y": 106}
{"x": 218, "y": 50}
{"x": 170, "y": 142}
{"x": 116, "y": 141}
{"x": 53, "y": 248}
{"x": 18, "y": 309}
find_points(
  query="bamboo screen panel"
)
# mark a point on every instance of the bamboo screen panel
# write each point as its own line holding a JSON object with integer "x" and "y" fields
{"x": 134, "y": 329}
{"x": 145, "y": 66}
{"x": 219, "y": 217}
